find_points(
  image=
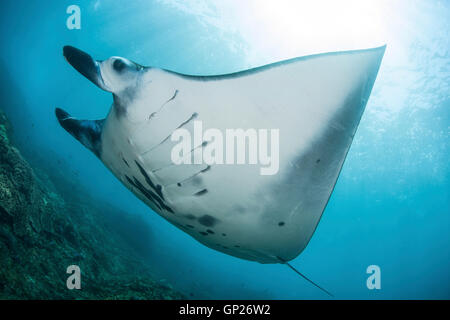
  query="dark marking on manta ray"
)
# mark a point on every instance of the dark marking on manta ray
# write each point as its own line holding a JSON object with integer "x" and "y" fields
{"x": 203, "y": 233}
{"x": 161, "y": 168}
{"x": 208, "y": 167}
{"x": 174, "y": 95}
{"x": 318, "y": 160}
{"x": 203, "y": 144}
{"x": 190, "y": 216}
{"x": 126, "y": 162}
{"x": 149, "y": 194}
{"x": 154, "y": 113}
{"x": 194, "y": 115}
{"x": 237, "y": 246}
{"x": 209, "y": 231}
{"x": 180, "y": 225}
{"x": 146, "y": 192}
{"x": 152, "y": 195}
{"x": 157, "y": 188}
{"x": 121, "y": 102}
{"x": 190, "y": 226}
{"x": 201, "y": 192}
{"x": 207, "y": 220}
{"x": 143, "y": 191}
{"x": 224, "y": 234}
{"x": 281, "y": 223}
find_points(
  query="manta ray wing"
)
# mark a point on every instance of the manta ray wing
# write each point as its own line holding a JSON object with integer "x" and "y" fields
{"x": 316, "y": 102}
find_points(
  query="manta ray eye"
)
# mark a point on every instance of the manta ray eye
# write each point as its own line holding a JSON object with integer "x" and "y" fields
{"x": 119, "y": 65}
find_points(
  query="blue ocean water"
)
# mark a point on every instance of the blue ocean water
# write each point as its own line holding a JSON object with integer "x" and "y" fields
{"x": 391, "y": 203}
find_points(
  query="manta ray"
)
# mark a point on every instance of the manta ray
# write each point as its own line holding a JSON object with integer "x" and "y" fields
{"x": 316, "y": 102}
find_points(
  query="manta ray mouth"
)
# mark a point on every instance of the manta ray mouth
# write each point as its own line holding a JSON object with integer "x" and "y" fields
{"x": 84, "y": 64}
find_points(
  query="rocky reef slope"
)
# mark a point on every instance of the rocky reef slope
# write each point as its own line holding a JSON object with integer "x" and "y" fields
{"x": 44, "y": 229}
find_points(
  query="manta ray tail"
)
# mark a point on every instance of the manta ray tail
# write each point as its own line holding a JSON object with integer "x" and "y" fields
{"x": 88, "y": 132}
{"x": 309, "y": 280}
{"x": 305, "y": 277}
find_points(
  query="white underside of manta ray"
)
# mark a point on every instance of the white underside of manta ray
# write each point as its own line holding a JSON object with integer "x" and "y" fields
{"x": 316, "y": 102}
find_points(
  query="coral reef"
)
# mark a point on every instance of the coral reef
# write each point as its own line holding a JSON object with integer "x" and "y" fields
{"x": 44, "y": 229}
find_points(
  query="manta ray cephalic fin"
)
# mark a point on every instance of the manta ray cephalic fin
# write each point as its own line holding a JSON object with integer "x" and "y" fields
{"x": 88, "y": 132}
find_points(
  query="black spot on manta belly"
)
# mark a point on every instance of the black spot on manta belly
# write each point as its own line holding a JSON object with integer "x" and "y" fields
{"x": 201, "y": 192}
{"x": 126, "y": 162}
{"x": 159, "y": 190}
{"x": 318, "y": 160}
{"x": 281, "y": 223}
{"x": 210, "y": 231}
{"x": 207, "y": 220}
{"x": 203, "y": 233}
